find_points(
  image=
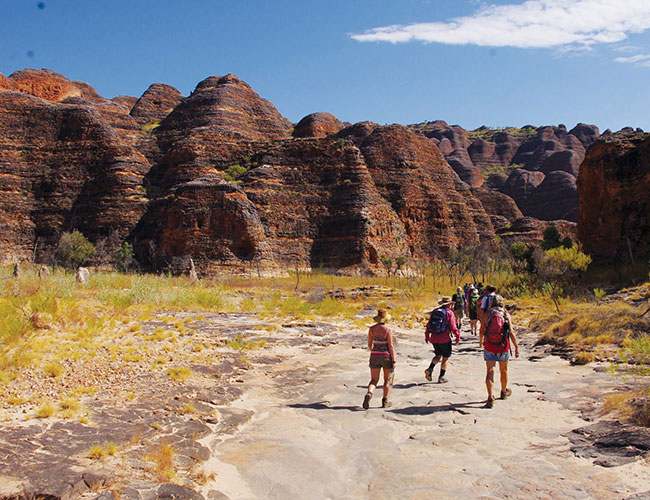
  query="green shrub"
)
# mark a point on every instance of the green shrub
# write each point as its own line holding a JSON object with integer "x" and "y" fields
{"x": 234, "y": 172}
{"x": 74, "y": 250}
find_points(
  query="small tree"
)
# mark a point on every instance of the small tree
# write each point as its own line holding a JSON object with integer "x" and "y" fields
{"x": 561, "y": 267}
{"x": 387, "y": 262}
{"x": 124, "y": 257}
{"x": 74, "y": 250}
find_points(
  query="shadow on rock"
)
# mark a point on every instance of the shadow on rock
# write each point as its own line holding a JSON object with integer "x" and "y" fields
{"x": 323, "y": 405}
{"x": 428, "y": 410}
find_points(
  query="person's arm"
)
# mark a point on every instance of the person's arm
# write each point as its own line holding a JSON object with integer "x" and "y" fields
{"x": 369, "y": 340}
{"x": 513, "y": 337}
{"x": 481, "y": 333}
{"x": 451, "y": 319}
{"x": 391, "y": 349}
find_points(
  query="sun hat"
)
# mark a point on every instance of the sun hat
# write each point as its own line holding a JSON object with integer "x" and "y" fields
{"x": 445, "y": 301}
{"x": 382, "y": 316}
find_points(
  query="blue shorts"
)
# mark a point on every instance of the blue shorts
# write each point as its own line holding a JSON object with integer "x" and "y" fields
{"x": 491, "y": 356}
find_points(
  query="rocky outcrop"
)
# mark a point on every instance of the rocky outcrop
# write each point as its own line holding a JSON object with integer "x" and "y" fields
{"x": 586, "y": 134}
{"x": 125, "y": 100}
{"x": 502, "y": 209}
{"x": 462, "y": 164}
{"x": 63, "y": 166}
{"x": 493, "y": 153}
{"x": 531, "y": 231}
{"x": 48, "y": 85}
{"x": 317, "y": 125}
{"x": 613, "y": 187}
{"x": 556, "y": 198}
{"x": 155, "y": 104}
{"x": 521, "y": 184}
{"x": 229, "y": 109}
{"x": 222, "y": 180}
{"x": 337, "y": 202}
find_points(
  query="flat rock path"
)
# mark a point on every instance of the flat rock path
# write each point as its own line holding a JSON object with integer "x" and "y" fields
{"x": 308, "y": 436}
{"x": 285, "y": 422}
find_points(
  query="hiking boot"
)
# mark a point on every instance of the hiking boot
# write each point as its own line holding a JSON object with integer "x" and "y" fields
{"x": 427, "y": 375}
{"x": 490, "y": 402}
{"x": 505, "y": 394}
{"x": 366, "y": 401}
{"x": 385, "y": 403}
{"x": 442, "y": 380}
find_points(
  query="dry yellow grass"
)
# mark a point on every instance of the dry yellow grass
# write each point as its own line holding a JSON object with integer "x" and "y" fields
{"x": 162, "y": 459}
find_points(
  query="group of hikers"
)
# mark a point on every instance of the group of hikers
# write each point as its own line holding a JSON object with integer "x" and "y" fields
{"x": 496, "y": 337}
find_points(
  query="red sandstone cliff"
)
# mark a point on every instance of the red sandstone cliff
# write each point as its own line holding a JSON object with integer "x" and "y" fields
{"x": 614, "y": 201}
{"x": 222, "y": 177}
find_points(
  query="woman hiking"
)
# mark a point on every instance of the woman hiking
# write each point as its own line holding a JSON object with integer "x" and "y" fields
{"x": 382, "y": 356}
{"x": 495, "y": 336}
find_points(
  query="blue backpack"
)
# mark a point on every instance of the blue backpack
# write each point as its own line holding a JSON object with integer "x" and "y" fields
{"x": 438, "y": 321}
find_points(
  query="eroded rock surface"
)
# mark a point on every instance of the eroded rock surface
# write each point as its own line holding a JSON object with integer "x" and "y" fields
{"x": 613, "y": 187}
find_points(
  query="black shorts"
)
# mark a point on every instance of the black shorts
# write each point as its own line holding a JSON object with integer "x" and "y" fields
{"x": 443, "y": 350}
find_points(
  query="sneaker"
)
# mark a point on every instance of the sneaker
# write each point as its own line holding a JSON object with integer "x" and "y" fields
{"x": 427, "y": 375}
{"x": 442, "y": 380}
{"x": 490, "y": 402}
{"x": 505, "y": 394}
{"x": 385, "y": 403}
{"x": 366, "y": 401}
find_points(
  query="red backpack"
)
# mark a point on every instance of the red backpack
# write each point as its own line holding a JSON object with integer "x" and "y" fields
{"x": 496, "y": 332}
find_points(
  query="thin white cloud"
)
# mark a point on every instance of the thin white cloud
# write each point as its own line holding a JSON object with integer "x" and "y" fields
{"x": 531, "y": 24}
{"x": 639, "y": 60}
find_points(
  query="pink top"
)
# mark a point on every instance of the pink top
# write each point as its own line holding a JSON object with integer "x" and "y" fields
{"x": 443, "y": 338}
{"x": 379, "y": 335}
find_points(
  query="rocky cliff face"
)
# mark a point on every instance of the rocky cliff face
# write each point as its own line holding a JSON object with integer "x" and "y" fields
{"x": 222, "y": 177}
{"x": 613, "y": 187}
{"x": 517, "y": 161}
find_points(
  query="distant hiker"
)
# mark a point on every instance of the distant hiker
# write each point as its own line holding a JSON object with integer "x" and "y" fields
{"x": 471, "y": 306}
{"x": 382, "y": 356}
{"x": 459, "y": 305}
{"x": 440, "y": 327}
{"x": 495, "y": 336}
{"x": 485, "y": 302}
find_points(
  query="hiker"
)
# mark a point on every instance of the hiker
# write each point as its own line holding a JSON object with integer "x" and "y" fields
{"x": 440, "y": 327}
{"x": 496, "y": 336}
{"x": 471, "y": 306}
{"x": 485, "y": 302}
{"x": 382, "y": 356}
{"x": 459, "y": 306}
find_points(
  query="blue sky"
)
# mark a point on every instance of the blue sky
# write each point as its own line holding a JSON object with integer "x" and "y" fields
{"x": 468, "y": 62}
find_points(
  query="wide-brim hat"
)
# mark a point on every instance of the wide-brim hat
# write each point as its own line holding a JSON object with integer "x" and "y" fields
{"x": 382, "y": 316}
{"x": 445, "y": 301}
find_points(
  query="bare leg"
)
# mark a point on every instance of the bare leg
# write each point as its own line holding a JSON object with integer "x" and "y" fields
{"x": 503, "y": 368}
{"x": 374, "y": 379}
{"x": 443, "y": 365}
{"x": 489, "y": 377}
{"x": 386, "y": 383}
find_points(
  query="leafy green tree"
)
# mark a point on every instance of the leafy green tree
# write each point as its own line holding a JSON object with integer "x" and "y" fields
{"x": 561, "y": 267}
{"x": 522, "y": 258}
{"x": 74, "y": 250}
{"x": 551, "y": 238}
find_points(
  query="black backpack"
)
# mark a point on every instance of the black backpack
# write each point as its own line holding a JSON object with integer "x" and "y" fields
{"x": 437, "y": 321}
